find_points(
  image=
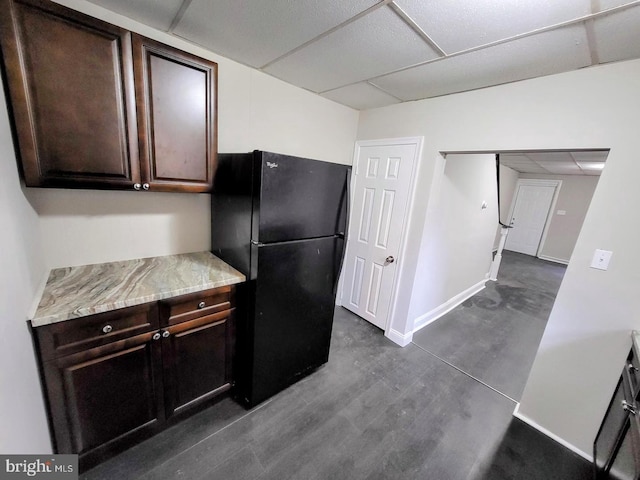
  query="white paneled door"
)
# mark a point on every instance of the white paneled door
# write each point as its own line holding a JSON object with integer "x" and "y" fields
{"x": 380, "y": 197}
{"x": 529, "y": 217}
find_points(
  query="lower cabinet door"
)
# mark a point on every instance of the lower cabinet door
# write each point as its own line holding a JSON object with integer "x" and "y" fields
{"x": 197, "y": 358}
{"x": 105, "y": 393}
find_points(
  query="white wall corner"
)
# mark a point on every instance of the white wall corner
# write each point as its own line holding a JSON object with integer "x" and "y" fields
{"x": 432, "y": 315}
{"x": 553, "y": 436}
{"x": 401, "y": 339}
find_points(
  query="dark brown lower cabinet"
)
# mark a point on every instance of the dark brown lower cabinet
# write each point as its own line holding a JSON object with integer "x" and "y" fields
{"x": 197, "y": 360}
{"x": 616, "y": 450}
{"x": 112, "y": 379}
{"x": 105, "y": 393}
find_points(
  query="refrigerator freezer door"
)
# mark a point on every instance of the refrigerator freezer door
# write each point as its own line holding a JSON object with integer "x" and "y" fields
{"x": 293, "y": 311}
{"x": 299, "y": 198}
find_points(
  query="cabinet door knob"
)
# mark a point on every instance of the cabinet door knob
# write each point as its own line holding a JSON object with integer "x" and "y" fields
{"x": 627, "y": 407}
{"x": 165, "y": 334}
{"x": 137, "y": 186}
{"x": 632, "y": 368}
{"x": 156, "y": 336}
{"x": 107, "y": 329}
{"x": 202, "y": 305}
{"x": 145, "y": 186}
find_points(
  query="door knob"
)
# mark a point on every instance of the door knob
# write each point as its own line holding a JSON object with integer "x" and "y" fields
{"x": 389, "y": 260}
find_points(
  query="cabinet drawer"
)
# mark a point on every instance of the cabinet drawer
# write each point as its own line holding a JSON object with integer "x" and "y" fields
{"x": 79, "y": 334}
{"x": 194, "y": 305}
{"x": 632, "y": 367}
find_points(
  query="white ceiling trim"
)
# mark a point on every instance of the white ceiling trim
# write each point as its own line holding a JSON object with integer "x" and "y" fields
{"x": 411, "y": 22}
{"x": 176, "y": 20}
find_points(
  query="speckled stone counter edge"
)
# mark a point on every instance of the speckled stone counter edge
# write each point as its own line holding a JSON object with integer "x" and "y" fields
{"x": 75, "y": 292}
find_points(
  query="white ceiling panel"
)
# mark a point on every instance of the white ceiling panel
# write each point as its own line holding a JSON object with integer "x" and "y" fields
{"x": 155, "y": 13}
{"x": 543, "y": 54}
{"x": 374, "y": 44}
{"x": 551, "y": 157}
{"x": 458, "y": 25}
{"x": 590, "y": 156}
{"x": 618, "y": 35}
{"x": 553, "y": 163}
{"x": 361, "y": 96}
{"x": 607, "y": 4}
{"x": 342, "y": 48}
{"x": 257, "y": 32}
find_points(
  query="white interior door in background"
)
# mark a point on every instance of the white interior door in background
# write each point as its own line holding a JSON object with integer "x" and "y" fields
{"x": 532, "y": 205}
{"x": 381, "y": 186}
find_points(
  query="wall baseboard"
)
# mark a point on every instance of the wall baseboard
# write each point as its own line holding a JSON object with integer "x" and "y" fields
{"x": 552, "y": 436}
{"x": 431, "y": 316}
{"x": 401, "y": 339}
{"x": 553, "y": 259}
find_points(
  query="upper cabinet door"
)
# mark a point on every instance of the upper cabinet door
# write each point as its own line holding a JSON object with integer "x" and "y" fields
{"x": 176, "y": 97}
{"x": 70, "y": 80}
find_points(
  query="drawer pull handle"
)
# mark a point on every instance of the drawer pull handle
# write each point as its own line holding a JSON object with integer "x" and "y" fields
{"x": 156, "y": 336}
{"x": 202, "y": 305}
{"x": 627, "y": 407}
{"x": 107, "y": 329}
{"x": 165, "y": 334}
{"x": 632, "y": 368}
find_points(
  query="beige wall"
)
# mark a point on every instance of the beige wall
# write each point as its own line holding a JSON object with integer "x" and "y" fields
{"x": 23, "y": 427}
{"x": 255, "y": 111}
{"x": 460, "y": 254}
{"x": 574, "y": 198}
{"x": 595, "y": 310}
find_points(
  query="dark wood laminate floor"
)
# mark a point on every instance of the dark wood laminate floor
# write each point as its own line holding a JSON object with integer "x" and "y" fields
{"x": 507, "y": 320}
{"x": 375, "y": 411}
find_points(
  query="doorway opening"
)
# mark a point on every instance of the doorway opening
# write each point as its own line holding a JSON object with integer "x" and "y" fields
{"x": 508, "y": 317}
{"x": 545, "y": 198}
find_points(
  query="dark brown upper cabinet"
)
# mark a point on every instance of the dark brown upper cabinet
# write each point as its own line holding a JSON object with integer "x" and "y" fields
{"x": 95, "y": 106}
{"x": 175, "y": 94}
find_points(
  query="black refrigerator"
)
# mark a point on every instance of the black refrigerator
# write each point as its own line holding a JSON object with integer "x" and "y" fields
{"x": 280, "y": 220}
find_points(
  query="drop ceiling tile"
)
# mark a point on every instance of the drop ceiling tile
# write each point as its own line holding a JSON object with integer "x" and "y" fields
{"x": 458, "y": 25}
{"x": 563, "y": 169}
{"x": 542, "y": 54}
{"x": 546, "y": 157}
{"x": 530, "y": 169}
{"x": 155, "y": 13}
{"x": 607, "y": 4}
{"x": 257, "y": 32}
{"x": 377, "y": 43}
{"x": 361, "y": 96}
{"x": 591, "y": 156}
{"x": 617, "y": 35}
{"x": 515, "y": 162}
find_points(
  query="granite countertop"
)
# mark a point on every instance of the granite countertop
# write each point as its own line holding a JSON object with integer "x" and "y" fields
{"x": 79, "y": 291}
